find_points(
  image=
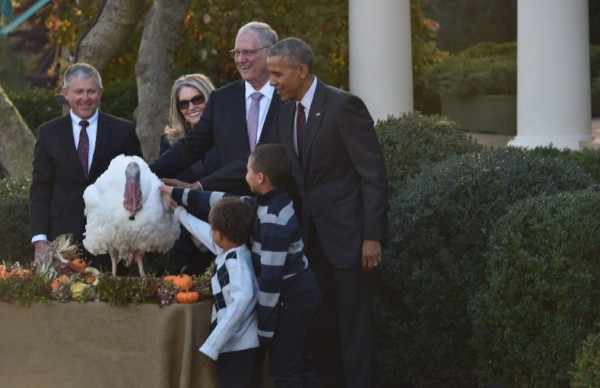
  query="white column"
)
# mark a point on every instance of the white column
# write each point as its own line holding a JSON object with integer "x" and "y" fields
{"x": 380, "y": 55}
{"x": 553, "y": 79}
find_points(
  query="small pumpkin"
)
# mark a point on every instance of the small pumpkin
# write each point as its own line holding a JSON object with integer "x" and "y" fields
{"x": 61, "y": 279}
{"x": 3, "y": 273}
{"x": 184, "y": 282}
{"x": 20, "y": 273}
{"x": 187, "y": 297}
{"x": 78, "y": 265}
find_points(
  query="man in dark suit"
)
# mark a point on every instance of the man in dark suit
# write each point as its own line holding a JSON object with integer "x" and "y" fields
{"x": 227, "y": 119}
{"x": 341, "y": 181}
{"x": 70, "y": 153}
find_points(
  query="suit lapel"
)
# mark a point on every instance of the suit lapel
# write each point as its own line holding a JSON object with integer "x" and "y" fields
{"x": 102, "y": 135}
{"x": 273, "y": 107}
{"x": 315, "y": 116}
{"x": 238, "y": 111}
{"x": 67, "y": 142}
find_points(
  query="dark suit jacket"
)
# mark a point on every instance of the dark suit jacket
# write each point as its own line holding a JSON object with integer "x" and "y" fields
{"x": 342, "y": 181}
{"x": 56, "y": 195}
{"x": 198, "y": 169}
{"x": 223, "y": 125}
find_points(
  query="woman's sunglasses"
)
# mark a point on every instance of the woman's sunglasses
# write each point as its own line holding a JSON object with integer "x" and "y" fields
{"x": 196, "y": 100}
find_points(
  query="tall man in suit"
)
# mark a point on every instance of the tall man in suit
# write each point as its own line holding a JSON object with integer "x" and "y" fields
{"x": 237, "y": 117}
{"x": 340, "y": 178}
{"x": 70, "y": 153}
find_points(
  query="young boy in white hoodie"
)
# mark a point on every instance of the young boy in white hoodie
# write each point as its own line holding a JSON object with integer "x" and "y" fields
{"x": 233, "y": 340}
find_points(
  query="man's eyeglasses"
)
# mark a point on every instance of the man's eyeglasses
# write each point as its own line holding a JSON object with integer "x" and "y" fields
{"x": 196, "y": 100}
{"x": 246, "y": 53}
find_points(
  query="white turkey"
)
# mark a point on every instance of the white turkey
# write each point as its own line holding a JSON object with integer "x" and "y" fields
{"x": 127, "y": 215}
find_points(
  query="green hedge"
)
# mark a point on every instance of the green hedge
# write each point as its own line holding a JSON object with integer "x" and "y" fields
{"x": 486, "y": 68}
{"x": 440, "y": 224}
{"x": 543, "y": 293}
{"x": 586, "y": 371}
{"x": 37, "y": 106}
{"x": 14, "y": 228}
{"x": 413, "y": 140}
{"x": 588, "y": 159}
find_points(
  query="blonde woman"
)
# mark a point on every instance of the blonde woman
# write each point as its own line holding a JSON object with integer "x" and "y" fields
{"x": 188, "y": 99}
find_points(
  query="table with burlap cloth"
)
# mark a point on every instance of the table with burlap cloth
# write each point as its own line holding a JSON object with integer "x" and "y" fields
{"x": 96, "y": 345}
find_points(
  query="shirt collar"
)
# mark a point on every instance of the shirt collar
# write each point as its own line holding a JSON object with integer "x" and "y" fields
{"x": 76, "y": 119}
{"x": 267, "y": 90}
{"x": 308, "y": 97}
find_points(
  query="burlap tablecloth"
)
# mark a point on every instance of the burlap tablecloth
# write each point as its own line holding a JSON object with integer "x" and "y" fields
{"x": 96, "y": 345}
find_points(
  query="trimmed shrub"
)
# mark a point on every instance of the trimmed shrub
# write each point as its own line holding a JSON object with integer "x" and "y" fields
{"x": 594, "y": 61}
{"x": 486, "y": 68}
{"x": 440, "y": 223}
{"x": 36, "y": 106}
{"x": 586, "y": 371}
{"x": 413, "y": 140}
{"x": 15, "y": 238}
{"x": 543, "y": 290}
{"x": 588, "y": 159}
{"x": 120, "y": 99}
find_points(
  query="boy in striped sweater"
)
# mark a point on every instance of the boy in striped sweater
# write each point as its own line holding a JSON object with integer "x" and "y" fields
{"x": 289, "y": 296}
{"x": 232, "y": 341}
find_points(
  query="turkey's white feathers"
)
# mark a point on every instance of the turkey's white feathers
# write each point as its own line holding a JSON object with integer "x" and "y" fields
{"x": 109, "y": 228}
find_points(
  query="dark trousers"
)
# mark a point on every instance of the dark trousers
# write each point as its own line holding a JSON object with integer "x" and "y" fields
{"x": 291, "y": 352}
{"x": 186, "y": 254}
{"x": 344, "y": 336}
{"x": 240, "y": 369}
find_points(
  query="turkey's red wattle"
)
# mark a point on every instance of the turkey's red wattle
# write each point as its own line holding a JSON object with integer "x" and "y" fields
{"x": 133, "y": 191}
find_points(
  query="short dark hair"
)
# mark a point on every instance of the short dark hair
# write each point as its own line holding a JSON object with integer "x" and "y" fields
{"x": 274, "y": 161}
{"x": 233, "y": 218}
{"x": 295, "y": 51}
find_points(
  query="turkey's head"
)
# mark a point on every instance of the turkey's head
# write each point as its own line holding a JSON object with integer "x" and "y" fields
{"x": 133, "y": 191}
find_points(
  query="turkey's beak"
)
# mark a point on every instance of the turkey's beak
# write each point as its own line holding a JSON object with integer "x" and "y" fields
{"x": 133, "y": 193}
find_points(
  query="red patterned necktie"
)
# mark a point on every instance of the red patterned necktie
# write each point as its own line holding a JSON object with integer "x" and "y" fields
{"x": 300, "y": 126}
{"x": 83, "y": 147}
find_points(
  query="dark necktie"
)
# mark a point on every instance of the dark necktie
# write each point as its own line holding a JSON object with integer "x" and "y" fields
{"x": 83, "y": 147}
{"x": 300, "y": 127}
{"x": 253, "y": 119}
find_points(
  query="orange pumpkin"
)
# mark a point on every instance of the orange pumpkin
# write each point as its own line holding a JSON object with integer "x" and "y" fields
{"x": 183, "y": 282}
{"x": 3, "y": 272}
{"x": 20, "y": 273}
{"x": 61, "y": 279}
{"x": 187, "y": 297}
{"x": 78, "y": 265}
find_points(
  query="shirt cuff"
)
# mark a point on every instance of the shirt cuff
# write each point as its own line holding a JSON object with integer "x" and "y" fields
{"x": 39, "y": 237}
